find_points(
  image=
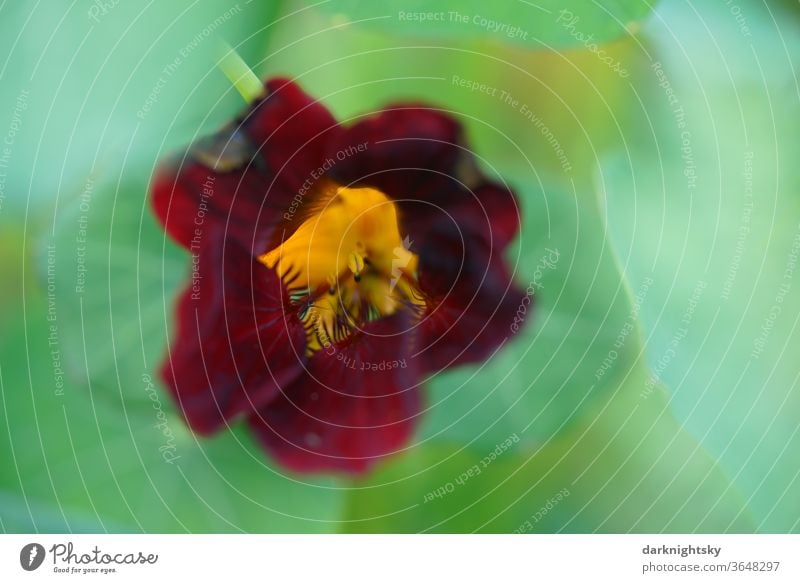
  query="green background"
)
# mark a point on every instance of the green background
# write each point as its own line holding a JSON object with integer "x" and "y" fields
{"x": 674, "y": 234}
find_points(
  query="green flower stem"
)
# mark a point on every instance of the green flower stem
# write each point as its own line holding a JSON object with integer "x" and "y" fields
{"x": 239, "y": 73}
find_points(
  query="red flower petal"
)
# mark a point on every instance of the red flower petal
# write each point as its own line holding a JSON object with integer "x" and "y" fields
{"x": 493, "y": 213}
{"x": 408, "y": 151}
{"x": 356, "y": 405}
{"x": 416, "y": 155}
{"x": 473, "y": 298}
{"x": 292, "y": 131}
{"x": 245, "y": 177}
{"x": 234, "y": 347}
{"x": 192, "y": 199}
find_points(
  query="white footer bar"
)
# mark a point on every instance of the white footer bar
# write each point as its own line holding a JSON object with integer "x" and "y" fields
{"x": 389, "y": 558}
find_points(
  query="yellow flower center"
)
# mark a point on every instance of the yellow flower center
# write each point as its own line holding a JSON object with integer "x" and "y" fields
{"x": 347, "y": 265}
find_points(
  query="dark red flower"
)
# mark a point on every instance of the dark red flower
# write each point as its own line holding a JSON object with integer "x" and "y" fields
{"x": 333, "y": 269}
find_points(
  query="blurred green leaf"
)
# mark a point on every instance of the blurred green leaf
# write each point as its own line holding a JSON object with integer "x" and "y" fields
{"x": 87, "y": 459}
{"x": 706, "y": 197}
{"x": 18, "y": 514}
{"x": 534, "y": 24}
{"x": 94, "y": 85}
{"x": 116, "y": 278}
{"x": 625, "y": 467}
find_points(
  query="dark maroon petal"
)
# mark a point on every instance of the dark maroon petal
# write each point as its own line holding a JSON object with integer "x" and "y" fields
{"x": 246, "y": 176}
{"x": 407, "y": 151}
{"x": 191, "y": 199}
{"x": 472, "y": 298}
{"x": 291, "y": 130}
{"x": 492, "y": 213}
{"x": 356, "y": 404}
{"x": 234, "y": 346}
{"x": 416, "y": 155}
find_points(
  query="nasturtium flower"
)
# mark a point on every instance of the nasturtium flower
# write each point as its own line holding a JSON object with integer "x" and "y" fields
{"x": 334, "y": 268}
